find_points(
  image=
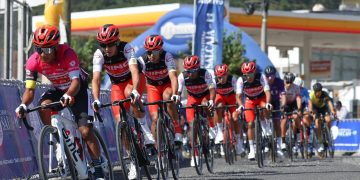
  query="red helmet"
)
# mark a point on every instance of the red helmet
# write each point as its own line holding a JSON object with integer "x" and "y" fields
{"x": 153, "y": 43}
{"x": 248, "y": 67}
{"x": 221, "y": 70}
{"x": 191, "y": 62}
{"x": 107, "y": 34}
{"x": 46, "y": 36}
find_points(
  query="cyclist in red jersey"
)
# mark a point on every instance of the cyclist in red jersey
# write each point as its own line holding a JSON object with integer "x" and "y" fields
{"x": 118, "y": 60}
{"x": 201, "y": 90}
{"x": 59, "y": 63}
{"x": 161, "y": 81}
{"x": 225, "y": 95}
{"x": 257, "y": 93}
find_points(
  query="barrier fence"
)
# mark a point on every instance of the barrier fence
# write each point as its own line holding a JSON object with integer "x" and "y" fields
{"x": 18, "y": 145}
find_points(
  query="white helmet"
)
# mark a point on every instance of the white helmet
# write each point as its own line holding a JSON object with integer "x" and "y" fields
{"x": 298, "y": 81}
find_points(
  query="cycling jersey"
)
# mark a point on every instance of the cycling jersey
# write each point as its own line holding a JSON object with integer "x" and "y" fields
{"x": 304, "y": 97}
{"x": 60, "y": 73}
{"x": 117, "y": 67}
{"x": 291, "y": 93}
{"x": 225, "y": 93}
{"x": 157, "y": 74}
{"x": 276, "y": 89}
{"x": 321, "y": 101}
{"x": 198, "y": 87}
{"x": 228, "y": 87}
{"x": 252, "y": 90}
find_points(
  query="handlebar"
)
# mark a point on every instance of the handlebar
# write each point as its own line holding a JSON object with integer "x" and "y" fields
{"x": 158, "y": 102}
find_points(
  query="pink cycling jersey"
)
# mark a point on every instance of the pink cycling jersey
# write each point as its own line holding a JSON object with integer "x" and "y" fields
{"x": 60, "y": 73}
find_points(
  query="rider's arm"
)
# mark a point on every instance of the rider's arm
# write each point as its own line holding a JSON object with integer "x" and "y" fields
{"x": 74, "y": 72}
{"x": 30, "y": 83}
{"x": 28, "y": 96}
{"x": 171, "y": 66}
{"x": 265, "y": 83}
{"x": 181, "y": 83}
{"x": 331, "y": 106}
{"x": 98, "y": 61}
{"x": 211, "y": 85}
{"x": 310, "y": 106}
{"x": 133, "y": 65}
{"x": 298, "y": 99}
{"x": 239, "y": 90}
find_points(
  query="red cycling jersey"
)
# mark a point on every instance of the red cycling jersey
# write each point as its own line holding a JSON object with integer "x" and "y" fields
{"x": 225, "y": 93}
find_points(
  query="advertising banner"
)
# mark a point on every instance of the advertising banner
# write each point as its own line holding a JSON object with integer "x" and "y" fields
{"x": 209, "y": 25}
{"x": 347, "y": 135}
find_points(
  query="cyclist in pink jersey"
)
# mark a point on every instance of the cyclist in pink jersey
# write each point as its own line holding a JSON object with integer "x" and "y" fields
{"x": 59, "y": 63}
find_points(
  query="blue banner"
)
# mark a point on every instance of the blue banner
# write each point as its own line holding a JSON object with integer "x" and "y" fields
{"x": 208, "y": 41}
{"x": 347, "y": 135}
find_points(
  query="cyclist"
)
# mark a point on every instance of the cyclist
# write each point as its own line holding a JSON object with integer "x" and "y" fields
{"x": 320, "y": 103}
{"x": 276, "y": 89}
{"x": 161, "y": 81}
{"x": 291, "y": 103}
{"x": 118, "y": 60}
{"x": 201, "y": 90}
{"x": 225, "y": 95}
{"x": 257, "y": 93}
{"x": 60, "y": 64}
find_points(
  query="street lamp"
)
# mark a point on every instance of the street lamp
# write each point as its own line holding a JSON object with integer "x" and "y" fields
{"x": 250, "y": 9}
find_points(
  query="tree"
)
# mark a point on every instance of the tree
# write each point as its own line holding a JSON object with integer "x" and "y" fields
{"x": 233, "y": 52}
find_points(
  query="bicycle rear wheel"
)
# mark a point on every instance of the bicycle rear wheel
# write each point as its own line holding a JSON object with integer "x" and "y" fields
{"x": 290, "y": 141}
{"x": 126, "y": 150}
{"x": 174, "y": 152}
{"x": 259, "y": 143}
{"x": 163, "y": 149}
{"x": 49, "y": 165}
{"x": 273, "y": 142}
{"x": 305, "y": 142}
{"x": 105, "y": 157}
{"x": 197, "y": 146}
{"x": 225, "y": 144}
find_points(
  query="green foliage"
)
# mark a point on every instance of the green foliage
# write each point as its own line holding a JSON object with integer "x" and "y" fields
{"x": 233, "y": 52}
{"x": 85, "y": 49}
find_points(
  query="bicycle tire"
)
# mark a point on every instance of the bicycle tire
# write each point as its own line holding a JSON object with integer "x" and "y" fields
{"x": 163, "y": 149}
{"x": 173, "y": 155}
{"x": 226, "y": 143}
{"x": 108, "y": 172}
{"x": 273, "y": 142}
{"x": 209, "y": 146}
{"x": 197, "y": 146}
{"x": 123, "y": 138}
{"x": 41, "y": 154}
{"x": 329, "y": 143}
{"x": 290, "y": 141}
{"x": 305, "y": 143}
{"x": 258, "y": 139}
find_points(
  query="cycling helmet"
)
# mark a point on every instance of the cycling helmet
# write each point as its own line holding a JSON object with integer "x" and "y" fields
{"x": 317, "y": 87}
{"x": 221, "y": 70}
{"x": 289, "y": 77}
{"x": 153, "y": 43}
{"x": 108, "y": 33}
{"x": 46, "y": 36}
{"x": 191, "y": 62}
{"x": 270, "y": 70}
{"x": 248, "y": 67}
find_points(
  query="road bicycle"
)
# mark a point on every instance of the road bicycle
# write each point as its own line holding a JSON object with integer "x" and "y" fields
{"x": 168, "y": 152}
{"x": 129, "y": 140}
{"x": 202, "y": 146}
{"x": 61, "y": 150}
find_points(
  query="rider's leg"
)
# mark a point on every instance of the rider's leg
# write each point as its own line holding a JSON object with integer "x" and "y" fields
{"x": 328, "y": 121}
{"x": 172, "y": 110}
{"x": 250, "y": 118}
{"x": 283, "y": 123}
{"x": 45, "y": 114}
{"x": 190, "y": 116}
{"x": 218, "y": 119}
{"x": 153, "y": 94}
{"x": 51, "y": 95}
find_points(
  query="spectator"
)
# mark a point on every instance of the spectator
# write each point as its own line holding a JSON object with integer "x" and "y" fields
{"x": 341, "y": 111}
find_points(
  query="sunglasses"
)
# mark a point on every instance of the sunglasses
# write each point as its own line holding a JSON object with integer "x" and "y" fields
{"x": 44, "y": 50}
{"x": 153, "y": 52}
{"x": 251, "y": 75}
{"x": 103, "y": 45}
{"x": 192, "y": 70}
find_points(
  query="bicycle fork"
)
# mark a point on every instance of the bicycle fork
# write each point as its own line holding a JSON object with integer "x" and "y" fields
{"x": 76, "y": 155}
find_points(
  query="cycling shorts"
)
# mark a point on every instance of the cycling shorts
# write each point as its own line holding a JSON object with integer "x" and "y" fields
{"x": 190, "y": 112}
{"x": 118, "y": 93}
{"x": 82, "y": 104}
{"x": 252, "y": 103}
{"x": 276, "y": 106}
{"x": 229, "y": 99}
{"x": 323, "y": 110}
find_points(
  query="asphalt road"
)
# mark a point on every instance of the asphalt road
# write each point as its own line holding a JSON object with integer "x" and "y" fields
{"x": 339, "y": 168}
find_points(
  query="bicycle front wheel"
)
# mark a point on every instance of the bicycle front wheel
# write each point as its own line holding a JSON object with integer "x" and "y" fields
{"x": 259, "y": 144}
{"x": 163, "y": 149}
{"x": 126, "y": 151}
{"x": 197, "y": 146}
{"x": 209, "y": 148}
{"x": 49, "y": 165}
{"x": 329, "y": 142}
